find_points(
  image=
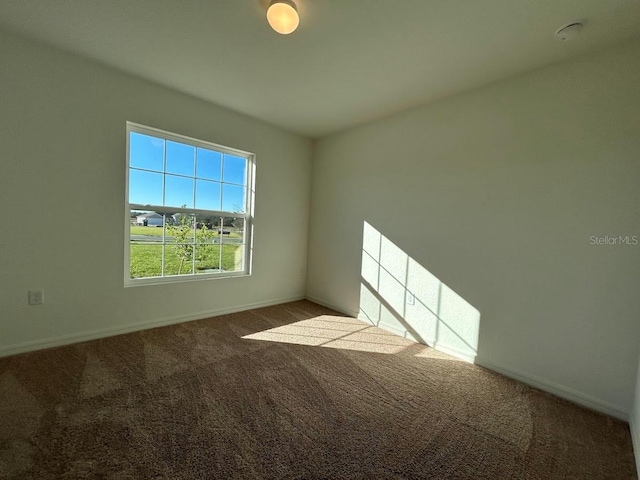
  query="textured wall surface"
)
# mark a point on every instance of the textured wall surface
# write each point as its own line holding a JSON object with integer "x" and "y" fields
{"x": 497, "y": 193}
{"x": 62, "y": 191}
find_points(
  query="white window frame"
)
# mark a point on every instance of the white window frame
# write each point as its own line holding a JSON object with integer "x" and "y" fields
{"x": 248, "y": 215}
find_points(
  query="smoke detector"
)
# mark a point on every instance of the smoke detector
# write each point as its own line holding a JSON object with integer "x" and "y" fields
{"x": 569, "y": 31}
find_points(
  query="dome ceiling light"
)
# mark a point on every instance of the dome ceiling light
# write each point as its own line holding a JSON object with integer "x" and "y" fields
{"x": 283, "y": 17}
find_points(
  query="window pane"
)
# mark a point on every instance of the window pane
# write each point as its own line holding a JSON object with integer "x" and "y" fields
{"x": 178, "y": 191}
{"x": 209, "y": 164}
{"x": 207, "y": 222}
{"x": 235, "y": 229}
{"x": 145, "y": 260}
{"x": 232, "y": 258}
{"x": 207, "y": 244}
{"x": 145, "y": 188}
{"x": 180, "y": 158}
{"x": 145, "y": 226}
{"x": 217, "y": 229}
{"x": 222, "y": 231}
{"x": 179, "y": 228}
{"x": 233, "y": 198}
{"x": 207, "y": 195}
{"x": 234, "y": 169}
{"x": 178, "y": 259}
{"x": 208, "y": 258}
{"x": 146, "y": 152}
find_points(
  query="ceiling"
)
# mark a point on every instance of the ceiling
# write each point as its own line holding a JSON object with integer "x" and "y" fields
{"x": 349, "y": 62}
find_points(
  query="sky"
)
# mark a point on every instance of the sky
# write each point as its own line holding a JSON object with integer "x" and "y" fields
{"x": 217, "y": 179}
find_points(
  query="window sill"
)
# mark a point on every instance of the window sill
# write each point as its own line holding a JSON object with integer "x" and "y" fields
{"x": 175, "y": 279}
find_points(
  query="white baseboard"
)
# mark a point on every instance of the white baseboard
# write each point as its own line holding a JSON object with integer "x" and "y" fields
{"x": 556, "y": 389}
{"x": 454, "y": 352}
{"x": 635, "y": 439}
{"x": 30, "y": 346}
{"x": 319, "y": 301}
{"x": 561, "y": 391}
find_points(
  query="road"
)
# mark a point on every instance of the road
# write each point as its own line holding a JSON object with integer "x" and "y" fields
{"x": 158, "y": 239}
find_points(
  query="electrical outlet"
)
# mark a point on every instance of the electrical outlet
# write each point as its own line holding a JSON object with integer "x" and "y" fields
{"x": 36, "y": 297}
{"x": 411, "y": 299}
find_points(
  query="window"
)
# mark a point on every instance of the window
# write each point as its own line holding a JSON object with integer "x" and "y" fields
{"x": 189, "y": 204}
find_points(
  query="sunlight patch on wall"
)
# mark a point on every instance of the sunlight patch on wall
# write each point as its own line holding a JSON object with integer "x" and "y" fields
{"x": 400, "y": 295}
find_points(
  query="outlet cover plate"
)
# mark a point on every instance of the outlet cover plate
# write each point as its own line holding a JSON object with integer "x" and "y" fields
{"x": 36, "y": 297}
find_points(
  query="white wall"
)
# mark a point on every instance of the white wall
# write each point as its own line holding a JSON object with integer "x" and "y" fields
{"x": 634, "y": 420}
{"x": 496, "y": 192}
{"x": 62, "y": 161}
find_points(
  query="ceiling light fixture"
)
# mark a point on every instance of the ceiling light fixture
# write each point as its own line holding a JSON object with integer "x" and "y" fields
{"x": 283, "y": 17}
{"x": 569, "y": 31}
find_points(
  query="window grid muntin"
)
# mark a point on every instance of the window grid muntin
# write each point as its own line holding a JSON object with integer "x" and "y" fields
{"x": 193, "y": 240}
{"x": 187, "y": 176}
{"x": 194, "y": 180}
{"x": 249, "y": 191}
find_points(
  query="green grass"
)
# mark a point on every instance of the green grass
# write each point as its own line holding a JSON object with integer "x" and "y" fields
{"x": 146, "y": 259}
{"x": 140, "y": 230}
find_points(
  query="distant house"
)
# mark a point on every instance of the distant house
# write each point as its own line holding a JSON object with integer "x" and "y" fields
{"x": 151, "y": 219}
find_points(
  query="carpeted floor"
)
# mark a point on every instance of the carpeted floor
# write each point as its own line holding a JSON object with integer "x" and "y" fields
{"x": 293, "y": 391}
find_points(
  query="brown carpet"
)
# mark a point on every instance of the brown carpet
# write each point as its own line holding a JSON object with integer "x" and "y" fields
{"x": 287, "y": 392}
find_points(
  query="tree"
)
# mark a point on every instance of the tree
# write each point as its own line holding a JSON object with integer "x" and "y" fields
{"x": 204, "y": 242}
{"x": 181, "y": 230}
